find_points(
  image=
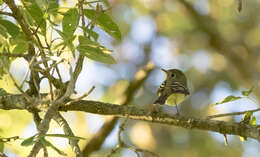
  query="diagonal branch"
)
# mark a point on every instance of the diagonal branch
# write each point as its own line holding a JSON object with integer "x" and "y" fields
{"x": 68, "y": 131}
{"x": 98, "y": 139}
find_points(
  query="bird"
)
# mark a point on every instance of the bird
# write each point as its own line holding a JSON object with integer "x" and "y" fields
{"x": 173, "y": 90}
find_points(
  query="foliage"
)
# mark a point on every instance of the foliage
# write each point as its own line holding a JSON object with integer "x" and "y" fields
{"x": 39, "y": 14}
{"x": 33, "y": 139}
{"x": 43, "y": 30}
{"x": 231, "y": 98}
{"x": 214, "y": 42}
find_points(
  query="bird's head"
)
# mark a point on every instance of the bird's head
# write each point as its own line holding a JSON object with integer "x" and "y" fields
{"x": 175, "y": 75}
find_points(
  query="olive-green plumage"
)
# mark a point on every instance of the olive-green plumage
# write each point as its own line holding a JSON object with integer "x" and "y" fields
{"x": 174, "y": 88}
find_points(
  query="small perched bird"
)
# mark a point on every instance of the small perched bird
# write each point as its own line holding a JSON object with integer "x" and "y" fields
{"x": 174, "y": 88}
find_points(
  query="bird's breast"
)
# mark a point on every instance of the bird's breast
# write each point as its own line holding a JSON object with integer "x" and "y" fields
{"x": 175, "y": 99}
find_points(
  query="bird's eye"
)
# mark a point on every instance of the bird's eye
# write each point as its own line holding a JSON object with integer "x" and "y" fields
{"x": 173, "y": 75}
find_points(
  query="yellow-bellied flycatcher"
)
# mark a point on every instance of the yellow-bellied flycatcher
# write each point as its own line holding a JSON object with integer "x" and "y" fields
{"x": 174, "y": 88}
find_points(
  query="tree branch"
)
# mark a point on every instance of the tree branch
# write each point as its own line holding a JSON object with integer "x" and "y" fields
{"x": 68, "y": 131}
{"x": 14, "y": 55}
{"x": 136, "y": 113}
{"x": 163, "y": 118}
{"x": 232, "y": 113}
{"x": 6, "y": 13}
{"x": 98, "y": 139}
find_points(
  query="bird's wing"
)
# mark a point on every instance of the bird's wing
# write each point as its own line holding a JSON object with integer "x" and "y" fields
{"x": 162, "y": 94}
{"x": 161, "y": 99}
{"x": 177, "y": 87}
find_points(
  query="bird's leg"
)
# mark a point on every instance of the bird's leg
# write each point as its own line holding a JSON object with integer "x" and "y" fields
{"x": 176, "y": 105}
{"x": 156, "y": 108}
{"x": 177, "y": 109}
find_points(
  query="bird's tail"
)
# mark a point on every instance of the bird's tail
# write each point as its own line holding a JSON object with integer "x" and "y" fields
{"x": 160, "y": 100}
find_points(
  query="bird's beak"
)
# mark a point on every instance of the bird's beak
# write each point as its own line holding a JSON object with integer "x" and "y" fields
{"x": 164, "y": 70}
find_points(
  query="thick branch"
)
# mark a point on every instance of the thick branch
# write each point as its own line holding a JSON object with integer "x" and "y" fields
{"x": 101, "y": 108}
{"x": 163, "y": 118}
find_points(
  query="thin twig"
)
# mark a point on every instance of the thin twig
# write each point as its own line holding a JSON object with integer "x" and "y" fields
{"x": 87, "y": 3}
{"x": 232, "y": 113}
{"x": 8, "y": 139}
{"x": 68, "y": 131}
{"x": 27, "y": 97}
{"x": 14, "y": 55}
{"x": 45, "y": 152}
{"x": 58, "y": 72}
{"x": 52, "y": 110}
{"x": 138, "y": 150}
{"x": 27, "y": 72}
{"x": 114, "y": 150}
{"x": 121, "y": 129}
{"x": 54, "y": 64}
{"x": 121, "y": 144}
{"x": 81, "y": 13}
{"x": 6, "y": 13}
{"x": 83, "y": 96}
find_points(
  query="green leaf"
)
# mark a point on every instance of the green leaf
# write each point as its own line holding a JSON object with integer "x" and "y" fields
{"x": 49, "y": 144}
{"x": 27, "y": 17}
{"x": 41, "y": 4}
{"x": 247, "y": 93}
{"x": 2, "y": 144}
{"x": 19, "y": 39}
{"x": 65, "y": 136}
{"x": 2, "y": 91}
{"x": 45, "y": 142}
{"x": 253, "y": 121}
{"x": 229, "y": 99}
{"x": 11, "y": 28}
{"x": 63, "y": 35}
{"x": 67, "y": 40}
{"x": 94, "y": 35}
{"x": 28, "y": 142}
{"x": 3, "y": 31}
{"x": 36, "y": 13}
{"x": 51, "y": 22}
{"x": 70, "y": 22}
{"x": 20, "y": 48}
{"x": 53, "y": 6}
{"x": 94, "y": 51}
{"x": 247, "y": 117}
{"x": 104, "y": 22}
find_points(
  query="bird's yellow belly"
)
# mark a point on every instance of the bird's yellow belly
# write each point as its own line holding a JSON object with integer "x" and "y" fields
{"x": 175, "y": 99}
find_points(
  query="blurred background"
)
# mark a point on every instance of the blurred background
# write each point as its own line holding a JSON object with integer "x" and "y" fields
{"x": 217, "y": 48}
